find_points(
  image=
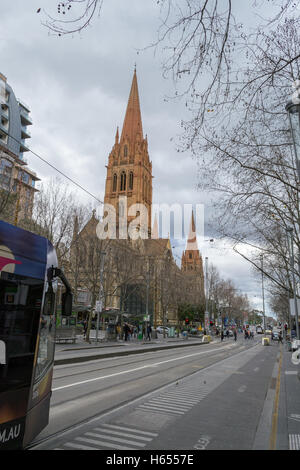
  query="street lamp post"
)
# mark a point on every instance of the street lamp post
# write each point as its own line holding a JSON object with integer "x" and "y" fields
{"x": 263, "y": 290}
{"x": 206, "y": 315}
{"x": 293, "y": 109}
{"x": 291, "y": 253}
{"x": 100, "y": 301}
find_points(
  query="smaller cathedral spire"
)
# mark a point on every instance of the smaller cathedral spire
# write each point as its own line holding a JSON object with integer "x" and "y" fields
{"x": 117, "y": 136}
{"x": 154, "y": 233}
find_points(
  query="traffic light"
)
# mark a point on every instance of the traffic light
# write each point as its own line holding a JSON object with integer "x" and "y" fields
{"x": 187, "y": 321}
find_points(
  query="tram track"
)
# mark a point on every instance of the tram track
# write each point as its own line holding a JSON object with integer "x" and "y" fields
{"x": 131, "y": 401}
{"x": 110, "y": 365}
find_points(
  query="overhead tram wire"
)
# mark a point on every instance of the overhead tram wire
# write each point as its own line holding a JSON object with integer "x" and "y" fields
{"x": 59, "y": 171}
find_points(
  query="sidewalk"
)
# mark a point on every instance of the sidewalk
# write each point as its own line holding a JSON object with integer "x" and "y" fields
{"x": 288, "y": 432}
{"x": 82, "y": 351}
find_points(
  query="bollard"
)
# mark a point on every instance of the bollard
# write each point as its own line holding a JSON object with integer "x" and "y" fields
{"x": 265, "y": 341}
{"x": 206, "y": 339}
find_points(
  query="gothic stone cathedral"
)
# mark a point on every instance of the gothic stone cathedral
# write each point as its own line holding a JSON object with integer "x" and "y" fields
{"x": 140, "y": 276}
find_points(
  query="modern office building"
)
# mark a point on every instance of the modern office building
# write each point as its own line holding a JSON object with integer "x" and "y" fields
{"x": 16, "y": 179}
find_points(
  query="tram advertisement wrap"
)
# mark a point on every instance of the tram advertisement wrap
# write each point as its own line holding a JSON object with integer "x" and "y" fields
{"x": 11, "y": 434}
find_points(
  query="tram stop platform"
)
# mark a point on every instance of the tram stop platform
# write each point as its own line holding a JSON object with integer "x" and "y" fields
{"x": 83, "y": 351}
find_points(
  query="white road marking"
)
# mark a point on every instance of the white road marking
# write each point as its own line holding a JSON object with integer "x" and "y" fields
{"x": 131, "y": 370}
{"x": 115, "y": 439}
{"x": 78, "y": 446}
{"x": 125, "y": 434}
{"x": 291, "y": 372}
{"x": 102, "y": 443}
{"x": 158, "y": 402}
{"x": 242, "y": 389}
{"x": 174, "y": 402}
{"x": 123, "y": 428}
{"x": 294, "y": 441}
{"x": 295, "y": 417}
{"x": 160, "y": 408}
{"x": 256, "y": 369}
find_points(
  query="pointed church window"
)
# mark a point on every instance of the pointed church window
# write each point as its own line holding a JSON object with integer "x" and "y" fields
{"x": 125, "y": 151}
{"x": 131, "y": 180}
{"x": 115, "y": 179}
{"x": 123, "y": 181}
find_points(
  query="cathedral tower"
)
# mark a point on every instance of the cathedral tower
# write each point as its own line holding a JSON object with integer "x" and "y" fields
{"x": 129, "y": 169}
{"x": 191, "y": 261}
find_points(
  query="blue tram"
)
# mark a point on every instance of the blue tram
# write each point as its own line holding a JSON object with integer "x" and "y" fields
{"x": 28, "y": 285}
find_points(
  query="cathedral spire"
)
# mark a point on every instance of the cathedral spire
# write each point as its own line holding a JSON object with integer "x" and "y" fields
{"x": 192, "y": 239}
{"x": 132, "y": 126}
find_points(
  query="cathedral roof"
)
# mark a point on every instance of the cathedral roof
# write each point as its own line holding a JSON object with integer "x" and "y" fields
{"x": 132, "y": 125}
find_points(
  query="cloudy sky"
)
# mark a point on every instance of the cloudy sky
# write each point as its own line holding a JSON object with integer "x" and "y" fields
{"x": 77, "y": 89}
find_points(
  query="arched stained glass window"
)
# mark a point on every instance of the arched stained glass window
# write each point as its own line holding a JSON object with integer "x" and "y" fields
{"x": 115, "y": 179}
{"x": 123, "y": 181}
{"x": 131, "y": 180}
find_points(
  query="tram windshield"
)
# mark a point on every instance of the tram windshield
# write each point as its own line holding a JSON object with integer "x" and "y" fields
{"x": 20, "y": 306}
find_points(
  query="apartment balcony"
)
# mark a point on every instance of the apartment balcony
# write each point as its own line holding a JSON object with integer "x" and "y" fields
{"x": 4, "y": 112}
{"x": 23, "y": 147}
{"x": 25, "y": 134}
{"x": 4, "y": 125}
{"x": 25, "y": 118}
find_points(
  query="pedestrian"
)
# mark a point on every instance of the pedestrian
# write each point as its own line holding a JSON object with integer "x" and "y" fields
{"x": 235, "y": 335}
{"x": 149, "y": 330}
{"x": 126, "y": 331}
{"x": 227, "y": 334}
{"x": 222, "y": 335}
{"x": 119, "y": 331}
{"x": 280, "y": 337}
{"x": 84, "y": 328}
{"x": 246, "y": 334}
{"x": 135, "y": 331}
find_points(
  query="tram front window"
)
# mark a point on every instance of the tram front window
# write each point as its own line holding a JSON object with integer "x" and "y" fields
{"x": 47, "y": 344}
{"x": 20, "y": 307}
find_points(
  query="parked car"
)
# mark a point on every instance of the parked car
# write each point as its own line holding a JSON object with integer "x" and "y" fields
{"x": 275, "y": 336}
{"x": 160, "y": 329}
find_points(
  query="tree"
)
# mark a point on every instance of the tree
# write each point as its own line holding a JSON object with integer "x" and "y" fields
{"x": 72, "y": 16}
{"x": 52, "y": 216}
{"x": 207, "y": 49}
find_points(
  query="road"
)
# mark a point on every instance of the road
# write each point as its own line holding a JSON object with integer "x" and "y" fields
{"x": 205, "y": 397}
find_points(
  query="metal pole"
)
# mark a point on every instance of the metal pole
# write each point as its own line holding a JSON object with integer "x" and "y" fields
{"x": 99, "y": 310}
{"x": 147, "y": 291}
{"x": 291, "y": 249}
{"x": 263, "y": 291}
{"x": 206, "y": 316}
